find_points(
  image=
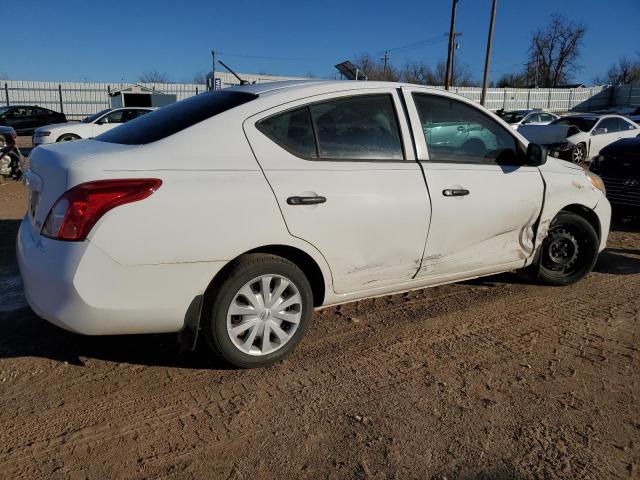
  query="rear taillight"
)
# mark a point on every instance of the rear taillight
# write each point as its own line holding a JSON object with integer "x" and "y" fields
{"x": 80, "y": 208}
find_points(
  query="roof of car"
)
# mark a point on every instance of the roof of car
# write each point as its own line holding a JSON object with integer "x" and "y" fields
{"x": 262, "y": 88}
{"x": 593, "y": 116}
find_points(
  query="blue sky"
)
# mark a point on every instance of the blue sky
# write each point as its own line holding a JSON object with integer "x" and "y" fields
{"x": 74, "y": 40}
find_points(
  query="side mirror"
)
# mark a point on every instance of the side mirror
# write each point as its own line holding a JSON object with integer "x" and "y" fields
{"x": 536, "y": 155}
{"x": 599, "y": 131}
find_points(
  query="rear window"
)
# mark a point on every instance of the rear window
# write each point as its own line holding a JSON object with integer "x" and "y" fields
{"x": 174, "y": 118}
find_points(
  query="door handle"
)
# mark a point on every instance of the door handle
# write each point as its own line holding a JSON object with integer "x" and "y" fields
{"x": 455, "y": 192}
{"x": 305, "y": 200}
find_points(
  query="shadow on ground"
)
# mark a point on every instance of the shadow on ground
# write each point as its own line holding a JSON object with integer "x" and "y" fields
{"x": 22, "y": 333}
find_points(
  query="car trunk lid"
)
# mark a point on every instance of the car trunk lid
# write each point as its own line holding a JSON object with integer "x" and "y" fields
{"x": 47, "y": 177}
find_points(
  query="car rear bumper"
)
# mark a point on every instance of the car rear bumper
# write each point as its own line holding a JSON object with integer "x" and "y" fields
{"x": 76, "y": 286}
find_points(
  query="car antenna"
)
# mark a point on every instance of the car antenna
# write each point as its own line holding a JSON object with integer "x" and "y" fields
{"x": 242, "y": 82}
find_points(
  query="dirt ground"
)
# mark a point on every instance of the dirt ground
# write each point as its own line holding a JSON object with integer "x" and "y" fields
{"x": 494, "y": 379}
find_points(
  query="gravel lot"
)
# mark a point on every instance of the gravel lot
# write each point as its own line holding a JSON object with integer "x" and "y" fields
{"x": 493, "y": 378}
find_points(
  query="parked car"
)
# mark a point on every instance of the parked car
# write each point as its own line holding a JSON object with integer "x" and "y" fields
{"x": 515, "y": 118}
{"x": 619, "y": 167}
{"x": 235, "y": 213}
{"x": 10, "y": 156}
{"x": 89, "y": 127}
{"x": 580, "y": 137}
{"x": 24, "y": 119}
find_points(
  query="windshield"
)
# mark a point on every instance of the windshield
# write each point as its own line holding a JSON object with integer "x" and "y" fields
{"x": 173, "y": 118}
{"x": 513, "y": 117}
{"x": 3, "y": 109}
{"x": 95, "y": 116}
{"x": 584, "y": 124}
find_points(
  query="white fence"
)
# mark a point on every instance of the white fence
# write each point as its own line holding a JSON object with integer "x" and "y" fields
{"x": 78, "y": 100}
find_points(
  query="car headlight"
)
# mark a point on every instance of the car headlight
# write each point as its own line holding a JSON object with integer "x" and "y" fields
{"x": 42, "y": 134}
{"x": 596, "y": 181}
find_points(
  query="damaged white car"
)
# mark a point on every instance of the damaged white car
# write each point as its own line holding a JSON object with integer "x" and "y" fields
{"x": 233, "y": 214}
{"x": 579, "y": 138}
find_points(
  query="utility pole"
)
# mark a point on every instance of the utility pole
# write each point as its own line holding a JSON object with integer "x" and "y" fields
{"x": 213, "y": 70}
{"x": 385, "y": 58}
{"x": 447, "y": 79}
{"x": 456, "y": 46}
{"x": 487, "y": 59}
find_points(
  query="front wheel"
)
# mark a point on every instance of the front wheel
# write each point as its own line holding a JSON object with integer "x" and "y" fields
{"x": 68, "y": 137}
{"x": 570, "y": 250}
{"x": 259, "y": 312}
{"x": 579, "y": 154}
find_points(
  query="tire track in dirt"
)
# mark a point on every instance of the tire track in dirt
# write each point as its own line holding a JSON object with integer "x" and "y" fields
{"x": 392, "y": 356}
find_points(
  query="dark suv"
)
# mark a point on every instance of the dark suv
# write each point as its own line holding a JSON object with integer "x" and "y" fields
{"x": 26, "y": 118}
{"x": 619, "y": 167}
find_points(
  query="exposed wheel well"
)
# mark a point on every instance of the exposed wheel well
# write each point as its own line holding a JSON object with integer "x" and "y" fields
{"x": 303, "y": 260}
{"x": 586, "y": 213}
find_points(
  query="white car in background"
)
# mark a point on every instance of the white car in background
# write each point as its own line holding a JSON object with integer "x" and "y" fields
{"x": 290, "y": 196}
{"x": 515, "y": 118}
{"x": 579, "y": 138}
{"x": 89, "y": 127}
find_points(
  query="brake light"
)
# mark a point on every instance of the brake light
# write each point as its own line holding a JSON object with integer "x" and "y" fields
{"x": 79, "y": 209}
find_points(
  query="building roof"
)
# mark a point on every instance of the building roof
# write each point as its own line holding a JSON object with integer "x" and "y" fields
{"x": 136, "y": 88}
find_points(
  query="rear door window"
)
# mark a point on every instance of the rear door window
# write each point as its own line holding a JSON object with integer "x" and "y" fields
{"x": 291, "y": 130}
{"x": 174, "y": 118}
{"x": 354, "y": 128}
{"x": 624, "y": 125}
{"x": 362, "y": 128}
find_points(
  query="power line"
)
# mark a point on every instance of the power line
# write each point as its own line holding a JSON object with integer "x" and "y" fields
{"x": 420, "y": 43}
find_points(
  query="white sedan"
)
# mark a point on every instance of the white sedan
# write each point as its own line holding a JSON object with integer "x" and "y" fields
{"x": 291, "y": 196}
{"x": 90, "y": 127}
{"x": 582, "y": 136}
{"x": 515, "y": 118}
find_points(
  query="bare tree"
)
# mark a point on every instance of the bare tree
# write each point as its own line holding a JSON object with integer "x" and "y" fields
{"x": 199, "y": 78}
{"x": 625, "y": 71}
{"x": 154, "y": 77}
{"x": 417, "y": 72}
{"x": 555, "y": 50}
{"x": 517, "y": 80}
{"x": 374, "y": 68}
{"x": 461, "y": 76}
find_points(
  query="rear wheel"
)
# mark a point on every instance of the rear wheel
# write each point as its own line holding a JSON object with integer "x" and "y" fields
{"x": 260, "y": 311}
{"x": 570, "y": 250}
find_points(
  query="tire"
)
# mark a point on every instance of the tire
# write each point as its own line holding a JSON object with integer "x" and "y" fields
{"x": 579, "y": 154}
{"x": 569, "y": 251}
{"x": 16, "y": 172}
{"x": 241, "y": 291}
{"x": 67, "y": 137}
